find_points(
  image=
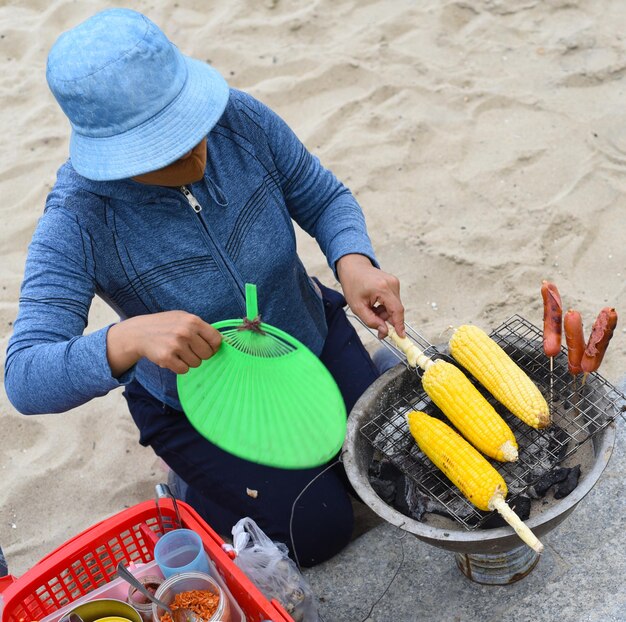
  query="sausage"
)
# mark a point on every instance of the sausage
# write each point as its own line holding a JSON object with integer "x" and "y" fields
{"x": 601, "y": 334}
{"x": 552, "y": 318}
{"x": 575, "y": 340}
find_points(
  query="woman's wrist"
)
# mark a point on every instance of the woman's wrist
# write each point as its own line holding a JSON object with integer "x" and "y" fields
{"x": 353, "y": 261}
{"x": 122, "y": 346}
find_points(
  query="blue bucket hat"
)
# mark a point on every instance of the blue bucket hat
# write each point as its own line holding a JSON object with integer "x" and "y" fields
{"x": 135, "y": 103}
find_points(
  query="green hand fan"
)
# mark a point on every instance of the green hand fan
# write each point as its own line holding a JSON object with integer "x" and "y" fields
{"x": 264, "y": 396}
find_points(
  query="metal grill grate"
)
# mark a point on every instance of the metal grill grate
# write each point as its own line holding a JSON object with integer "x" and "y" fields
{"x": 578, "y": 412}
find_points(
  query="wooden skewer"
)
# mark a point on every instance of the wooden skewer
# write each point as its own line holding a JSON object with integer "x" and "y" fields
{"x": 552, "y": 381}
{"x": 414, "y": 356}
{"x": 498, "y": 503}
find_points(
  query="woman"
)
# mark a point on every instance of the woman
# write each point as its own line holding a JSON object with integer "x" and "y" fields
{"x": 177, "y": 192}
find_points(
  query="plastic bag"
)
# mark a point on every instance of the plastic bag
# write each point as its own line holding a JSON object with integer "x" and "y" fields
{"x": 269, "y": 567}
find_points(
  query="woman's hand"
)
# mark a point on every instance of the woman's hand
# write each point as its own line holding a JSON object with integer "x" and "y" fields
{"x": 175, "y": 340}
{"x": 371, "y": 293}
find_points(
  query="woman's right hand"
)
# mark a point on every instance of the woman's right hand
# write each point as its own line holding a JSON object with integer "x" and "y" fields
{"x": 174, "y": 340}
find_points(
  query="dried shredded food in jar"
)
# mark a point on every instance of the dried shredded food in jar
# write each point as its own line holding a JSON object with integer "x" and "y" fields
{"x": 202, "y": 602}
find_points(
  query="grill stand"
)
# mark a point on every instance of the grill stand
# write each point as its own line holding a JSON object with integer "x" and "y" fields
{"x": 487, "y": 556}
{"x": 497, "y": 568}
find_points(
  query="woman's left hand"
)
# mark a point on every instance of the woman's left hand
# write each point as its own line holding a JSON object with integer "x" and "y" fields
{"x": 372, "y": 294}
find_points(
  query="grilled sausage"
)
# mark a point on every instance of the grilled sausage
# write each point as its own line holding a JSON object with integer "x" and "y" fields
{"x": 601, "y": 334}
{"x": 552, "y": 318}
{"x": 575, "y": 340}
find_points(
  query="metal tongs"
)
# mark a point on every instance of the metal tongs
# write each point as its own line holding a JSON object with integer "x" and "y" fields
{"x": 163, "y": 491}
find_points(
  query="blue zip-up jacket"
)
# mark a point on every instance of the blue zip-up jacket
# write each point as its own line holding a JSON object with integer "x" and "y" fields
{"x": 144, "y": 249}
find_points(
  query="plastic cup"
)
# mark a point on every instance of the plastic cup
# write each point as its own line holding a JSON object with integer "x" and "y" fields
{"x": 181, "y": 550}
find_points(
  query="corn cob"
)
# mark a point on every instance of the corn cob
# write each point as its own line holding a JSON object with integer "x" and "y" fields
{"x": 462, "y": 403}
{"x": 470, "y": 472}
{"x": 500, "y": 375}
{"x": 469, "y": 411}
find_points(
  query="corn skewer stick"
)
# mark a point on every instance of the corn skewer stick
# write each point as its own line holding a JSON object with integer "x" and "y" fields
{"x": 414, "y": 356}
{"x": 462, "y": 403}
{"x": 498, "y": 503}
{"x": 468, "y": 470}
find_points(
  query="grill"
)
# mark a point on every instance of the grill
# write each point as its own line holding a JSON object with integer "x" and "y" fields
{"x": 579, "y": 411}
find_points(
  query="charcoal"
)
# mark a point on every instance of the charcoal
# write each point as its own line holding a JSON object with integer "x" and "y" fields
{"x": 401, "y": 503}
{"x": 419, "y": 503}
{"x": 563, "y": 479}
{"x": 558, "y": 442}
{"x": 542, "y": 450}
{"x": 395, "y": 489}
{"x": 384, "y": 478}
{"x": 424, "y": 505}
{"x": 520, "y": 505}
{"x": 389, "y": 472}
{"x": 547, "y": 481}
{"x": 385, "y": 489}
{"x": 568, "y": 484}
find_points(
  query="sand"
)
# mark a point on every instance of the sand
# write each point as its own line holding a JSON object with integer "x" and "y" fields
{"x": 485, "y": 140}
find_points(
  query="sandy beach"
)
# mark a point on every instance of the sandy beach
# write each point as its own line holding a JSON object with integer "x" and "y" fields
{"x": 485, "y": 141}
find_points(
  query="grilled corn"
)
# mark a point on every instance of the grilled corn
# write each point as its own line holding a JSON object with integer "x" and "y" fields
{"x": 470, "y": 472}
{"x": 471, "y": 414}
{"x": 469, "y": 411}
{"x": 500, "y": 375}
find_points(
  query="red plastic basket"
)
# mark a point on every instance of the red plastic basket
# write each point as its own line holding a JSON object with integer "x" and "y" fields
{"x": 89, "y": 560}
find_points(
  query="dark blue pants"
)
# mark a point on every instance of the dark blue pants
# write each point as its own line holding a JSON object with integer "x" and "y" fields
{"x": 323, "y": 519}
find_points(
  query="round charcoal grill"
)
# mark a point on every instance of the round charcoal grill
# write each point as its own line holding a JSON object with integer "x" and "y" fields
{"x": 583, "y": 431}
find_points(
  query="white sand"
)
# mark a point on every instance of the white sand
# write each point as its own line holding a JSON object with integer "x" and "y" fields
{"x": 485, "y": 141}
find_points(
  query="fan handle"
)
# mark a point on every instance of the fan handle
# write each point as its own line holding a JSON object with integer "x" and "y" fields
{"x": 252, "y": 307}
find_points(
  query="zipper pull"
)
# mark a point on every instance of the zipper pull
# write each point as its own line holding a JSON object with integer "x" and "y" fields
{"x": 195, "y": 206}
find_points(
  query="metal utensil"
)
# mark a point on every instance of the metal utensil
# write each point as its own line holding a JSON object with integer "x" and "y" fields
{"x": 72, "y": 617}
{"x": 163, "y": 491}
{"x": 178, "y": 615}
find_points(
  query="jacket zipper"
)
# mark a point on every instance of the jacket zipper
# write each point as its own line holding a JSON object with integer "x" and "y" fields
{"x": 197, "y": 208}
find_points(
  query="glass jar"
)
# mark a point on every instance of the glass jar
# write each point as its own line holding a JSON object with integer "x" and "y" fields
{"x": 185, "y": 582}
{"x": 139, "y": 601}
